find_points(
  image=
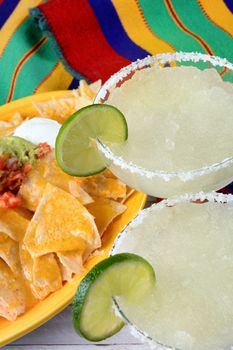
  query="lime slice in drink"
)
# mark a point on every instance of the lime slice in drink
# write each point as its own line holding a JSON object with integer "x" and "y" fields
{"x": 124, "y": 275}
{"x": 76, "y": 150}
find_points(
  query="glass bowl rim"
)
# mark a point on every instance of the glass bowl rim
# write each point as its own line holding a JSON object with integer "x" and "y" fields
{"x": 140, "y": 63}
{"x": 213, "y": 197}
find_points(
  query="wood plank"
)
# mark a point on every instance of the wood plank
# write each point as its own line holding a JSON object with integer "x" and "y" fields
{"x": 79, "y": 347}
{"x": 59, "y": 330}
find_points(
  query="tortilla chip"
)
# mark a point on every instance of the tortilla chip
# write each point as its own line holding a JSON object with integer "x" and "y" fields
{"x": 27, "y": 214}
{"x": 47, "y": 171}
{"x": 7, "y": 127}
{"x": 9, "y": 252}
{"x": 85, "y": 90}
{"x": 60, "y": 223}
{"x": 72, "y": 260}
{"x": 41, "y": 165}
{"x": 129, "y": 192}
{"x": 62, "y": 108}
{"x": 46, "y": 276}
{"x": 105, "y": 211}
{"x": 43, "y": 273}
{"x": 32, "y": 189}
{"x": 55, "y": 176}
{"x": 78, "y": 192}
{"x": 66, "y": 273}
{"x": 57, "y": 109}
{"x": 26, "y": 262}
{"x": 95, "y": 87}
{"x": 13, "y": 224}
{"x": 101, "y": 186}
{"x": 107, "y": 173}
{"x": 12, "y": 294}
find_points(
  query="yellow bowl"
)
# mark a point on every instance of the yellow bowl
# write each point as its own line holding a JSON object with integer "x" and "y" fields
{"x": 57, "y": 301}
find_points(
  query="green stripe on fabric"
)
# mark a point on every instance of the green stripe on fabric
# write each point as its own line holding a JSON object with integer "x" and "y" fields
{"x": 30, "y": 76}
{"x": 26, "y": 36}
{"x": 162, "y": 24}
{"x": 193, "y": 17}
{"x": 228, "y": 76}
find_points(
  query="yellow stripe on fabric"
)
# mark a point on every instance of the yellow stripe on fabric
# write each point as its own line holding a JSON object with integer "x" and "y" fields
{"x": 138, "y": 30}
{"x": 218, "y": 13}
{"x": 15, "y": 20}
{"x": 57, "y": 79}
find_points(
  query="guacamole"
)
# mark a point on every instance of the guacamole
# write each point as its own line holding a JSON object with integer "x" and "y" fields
{"x": 23, "y": 150}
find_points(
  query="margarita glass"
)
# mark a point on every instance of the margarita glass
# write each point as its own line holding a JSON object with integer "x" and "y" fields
{"x": 209, "y": 173}
{"x": 191, "y": 250}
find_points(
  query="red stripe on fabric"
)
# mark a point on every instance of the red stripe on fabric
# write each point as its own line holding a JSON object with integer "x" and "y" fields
{"x": 223, "y": 71}
{"x": 85, "y": 49}
{"x": 20, "y": 64}
{"x": 185, "y": 29}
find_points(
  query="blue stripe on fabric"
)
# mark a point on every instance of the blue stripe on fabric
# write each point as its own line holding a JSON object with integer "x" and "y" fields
{"x": 114, "y": 31}
{"x": 6, "y": 9}
{"x": 229, "y": 4}
{"x": 74, "y": 84}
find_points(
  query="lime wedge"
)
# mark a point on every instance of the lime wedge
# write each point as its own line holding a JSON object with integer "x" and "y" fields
{"x": 122, "y": 275}
{"x": 76, "y": 150}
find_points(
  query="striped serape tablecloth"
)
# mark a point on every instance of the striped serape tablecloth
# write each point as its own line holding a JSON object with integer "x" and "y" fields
{"x": 50, "y": 45}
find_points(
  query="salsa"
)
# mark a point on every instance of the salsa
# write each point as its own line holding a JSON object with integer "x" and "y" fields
{"x": 17, "y": 157}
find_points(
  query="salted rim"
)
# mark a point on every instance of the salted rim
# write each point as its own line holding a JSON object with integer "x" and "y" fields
{"x": 188, "y": 197}
{"x": 156, "y": 60}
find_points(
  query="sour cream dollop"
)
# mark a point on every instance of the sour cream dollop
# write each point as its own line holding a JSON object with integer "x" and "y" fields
{"x": 37, "y": 130}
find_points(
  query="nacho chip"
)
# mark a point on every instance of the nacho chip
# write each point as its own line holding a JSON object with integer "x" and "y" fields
{"x": 25, "y": 213}
{"x": 60, "y": 223}
{"x": 95, "y": 87}
{"x": 26, "y": 262}
{"x": 89, "y": 90}
{"x": 3, "y": 237}
{"x": 42, "y": 164}
{"x": 43, "y": 273}
{"x": 78, "y": 192}
{"x": 9, "y": 252}
{"x": 13, "y": 224}
{"x": 55, "y": 176}
{"x": 57, "y": 109}
{"x": 7, "y": 127}
{"x": 105, "y": 211}
{"x": 32, "y": 189}
{"x": 47, "y": 171}
{"x": 73, "y": 261}
{"x": 12, "y": 294}
{"x": 66, "y": 273}
{"x": 129, "y": 192}
{"x": 46, "y": 276}
{"x": 62, "y": 108}
{"x": 107, "y": 173}
{"x": 105, "y": 187}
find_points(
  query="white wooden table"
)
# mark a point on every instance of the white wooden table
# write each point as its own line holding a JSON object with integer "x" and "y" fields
{"x": 58, "y": 334}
